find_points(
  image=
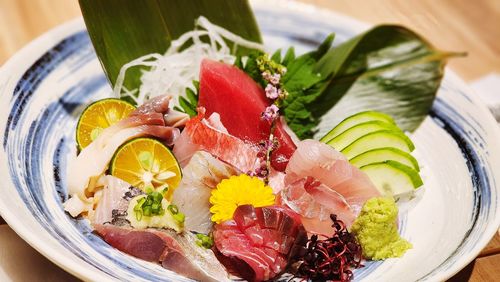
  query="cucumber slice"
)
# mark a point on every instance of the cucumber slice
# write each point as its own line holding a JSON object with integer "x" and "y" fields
{"x": 354, "y": 120}
{"x": 385, "y": 154}
{"x": 379, "y": 139}
{"x": 350, "y": 135}
{"x": 393, "y": 178}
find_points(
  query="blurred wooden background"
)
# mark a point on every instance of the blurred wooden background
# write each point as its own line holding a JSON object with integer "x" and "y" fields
{"x": 456, "y": 25}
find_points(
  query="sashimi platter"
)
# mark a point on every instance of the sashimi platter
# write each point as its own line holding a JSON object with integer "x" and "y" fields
{"x": 227, "y": 158}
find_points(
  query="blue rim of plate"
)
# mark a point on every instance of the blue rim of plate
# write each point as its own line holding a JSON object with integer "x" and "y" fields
{"x": 79, "y": 42}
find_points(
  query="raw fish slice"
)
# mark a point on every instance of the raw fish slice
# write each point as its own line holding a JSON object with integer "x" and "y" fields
{"x": 93, "y": 161}
{"x": 173, "y": 251}
{"x": 240, "y": 101}
{"x": 320, "y": 181}
{"x": 276, "y": 180}
{"x": 146, "y": 120}
{"x": 151, "y": 112}
{"x": 113, "y": 199}
{"x": 199, "y": 134}
{"x": 258, "y": 242}
{"x": 200, "y": 176}
{"x": 175, "y": 118}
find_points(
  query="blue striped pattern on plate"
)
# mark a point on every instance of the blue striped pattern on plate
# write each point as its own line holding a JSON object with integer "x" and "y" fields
{"x": 46, "y": 86}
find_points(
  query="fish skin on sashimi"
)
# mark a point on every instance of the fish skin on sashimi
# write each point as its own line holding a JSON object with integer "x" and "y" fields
{"x": 239, "y": 100}
{"x": 200, "y": 135}
{"x": 258, "y": 242}
{"x": 173, "y": 251}
{"x": 320, "y": 181}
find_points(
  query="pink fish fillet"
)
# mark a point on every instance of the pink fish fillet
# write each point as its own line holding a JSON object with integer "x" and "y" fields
{"x": 173, "y": 251}
{"x": 207, "y": 135}
{"x": 319, "y": 181}
{"x": 147, "y": 120}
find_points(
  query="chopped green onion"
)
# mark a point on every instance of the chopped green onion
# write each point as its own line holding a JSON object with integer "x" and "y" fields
{"x": 165, "y": 191}
{"x": 204, "y": 241}
{"x": 157, "y": 197}
{"x": 138, "y": 215}
{"x": 147, "y": 210}
{"x": 173, "y": 209}
{"x": 179, "y": 217}
{"x": 149, "y": 189}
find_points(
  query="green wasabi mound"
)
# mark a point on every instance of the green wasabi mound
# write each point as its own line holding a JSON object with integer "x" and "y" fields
{"x": 377, "y": 232}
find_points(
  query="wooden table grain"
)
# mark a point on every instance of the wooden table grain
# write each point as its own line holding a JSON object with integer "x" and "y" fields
{"x": 456, "y": 25}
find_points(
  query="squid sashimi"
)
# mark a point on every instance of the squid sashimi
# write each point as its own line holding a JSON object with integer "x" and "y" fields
{"x": 147, "y": 120}
{"x": 200, "y": 176}
{"x": 240, "y": 101}
{"x": 320, "y": 181}
{"x": 173, "y": 251}
{"x": 201, "y": 134}
{"x": 258, "y": 242}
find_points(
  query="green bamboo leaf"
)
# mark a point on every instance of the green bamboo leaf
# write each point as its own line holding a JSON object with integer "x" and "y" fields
{"x": 123, "y": 30}
{"x": 389, "y": 69}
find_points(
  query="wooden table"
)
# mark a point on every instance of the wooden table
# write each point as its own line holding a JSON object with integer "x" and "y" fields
{"x": 458, "y": 25}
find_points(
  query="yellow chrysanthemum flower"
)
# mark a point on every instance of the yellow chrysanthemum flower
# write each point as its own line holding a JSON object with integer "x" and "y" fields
{"x": 237, "y": 191}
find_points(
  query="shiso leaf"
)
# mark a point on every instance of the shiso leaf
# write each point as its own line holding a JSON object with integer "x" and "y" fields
{"x": 123, "y": 30}
{"x": 389, "y": 68}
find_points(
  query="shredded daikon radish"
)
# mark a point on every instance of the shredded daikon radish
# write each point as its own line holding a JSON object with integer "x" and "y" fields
{"x": 174, "y": 71}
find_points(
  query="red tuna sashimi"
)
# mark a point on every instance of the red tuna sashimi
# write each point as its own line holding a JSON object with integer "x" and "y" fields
{"x": 319, "y": 181}
{"x": 239, "y": 100}
{"x": 200, "y": 134}
{"x": 174, "y": 252}
{"x": 258, "y": 242}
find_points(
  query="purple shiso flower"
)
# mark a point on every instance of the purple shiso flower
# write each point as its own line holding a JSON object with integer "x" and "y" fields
{"x": 275, "y": 79}
{"x": 272, "y": 92}
{"x": 266, "y": 75}
{"x": 270, "y": 113}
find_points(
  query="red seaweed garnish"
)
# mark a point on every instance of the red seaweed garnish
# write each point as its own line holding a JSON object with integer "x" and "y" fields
{"x": 331, "y": 259}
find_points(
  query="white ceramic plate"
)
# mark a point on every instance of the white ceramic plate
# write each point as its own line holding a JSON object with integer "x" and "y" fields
{"x": 44, "y": 87}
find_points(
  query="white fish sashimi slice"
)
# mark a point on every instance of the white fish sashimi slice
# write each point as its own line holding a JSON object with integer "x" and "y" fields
{"x": 200, "y": 176}
{"x": 115, "y": 196}
{"x": 320, "y": 181}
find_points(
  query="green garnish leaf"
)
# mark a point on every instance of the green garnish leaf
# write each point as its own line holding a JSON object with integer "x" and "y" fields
{"x": 389, "y": 69}
{"x": 276, "y": 56}
{"x": 304, "y": 85}
{"x": 190, "y": 104}
{"x": 251, "y": 67}
{"x": 152, "y": 24}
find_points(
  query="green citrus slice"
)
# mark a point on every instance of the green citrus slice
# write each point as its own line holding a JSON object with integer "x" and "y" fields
{"x": 98, "y": 116}
{"x": 147, "y": 163}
